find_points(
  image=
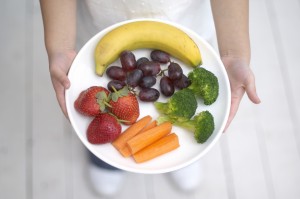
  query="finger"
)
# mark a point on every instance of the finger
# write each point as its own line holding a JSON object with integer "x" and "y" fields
{"x": 251, "y": 90}
{"x": 235, "y": 102}
{"x": 61, "y": 77}
{"x": 60, "y": 95}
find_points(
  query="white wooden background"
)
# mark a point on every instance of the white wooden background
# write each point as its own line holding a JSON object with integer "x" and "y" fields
{"x": 41, "y": 158}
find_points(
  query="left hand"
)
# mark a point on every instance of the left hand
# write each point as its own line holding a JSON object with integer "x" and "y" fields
{"x": 241, "y": 80}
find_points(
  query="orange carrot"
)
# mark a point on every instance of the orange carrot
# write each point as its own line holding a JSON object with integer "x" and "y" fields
{"x": 160, "y": 147}
{"x": 130, "y": 132}
{"x": 148, "y": 137}
{"x": 125, "y": 150}
{"x": 149, "y": 126}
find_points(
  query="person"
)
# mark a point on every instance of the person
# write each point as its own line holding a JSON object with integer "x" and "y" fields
{"x": 229, "y": 19}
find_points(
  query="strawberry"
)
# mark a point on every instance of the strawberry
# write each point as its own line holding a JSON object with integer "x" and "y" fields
{"x": 104, "y": 128}
{"x": 124, "y": 105}
{"x": 91, "y": 101}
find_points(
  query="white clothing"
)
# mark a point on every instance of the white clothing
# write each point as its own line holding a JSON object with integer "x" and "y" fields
{"x": 193, "y": 14}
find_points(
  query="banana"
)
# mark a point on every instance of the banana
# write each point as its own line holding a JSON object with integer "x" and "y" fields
{"x": 145, "y": 34}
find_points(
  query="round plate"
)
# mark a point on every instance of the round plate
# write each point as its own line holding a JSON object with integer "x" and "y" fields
{"x": 82, "y": 75}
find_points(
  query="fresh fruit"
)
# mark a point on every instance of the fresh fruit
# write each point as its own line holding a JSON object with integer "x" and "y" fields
{"x": 91, "y": 101}
{"x": 141, "y": 60}
{"x": 182, "y": 83}
{"x": 134, "y": 78}
{"x": 116, "y": 73}
{"x": 160, "y": 56}
{"x": 104, "y": 128}
{"x": 166, "y": 86}
{"x": 118, "y": 85}
{"x": 150, "y": 68}
{"x": 128, "y": 61}
{"x": 147, "y": 82}
{"x": 124, "y": 105}
{"x": 174, "y": 71}
{"x": 145, "y": 34}
{"x": 149, "y": 94}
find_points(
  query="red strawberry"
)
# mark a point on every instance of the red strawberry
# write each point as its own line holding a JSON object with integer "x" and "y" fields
{"x": 124, "y": 105}
{"x": 91, "y": 101}
{"x": 104, "y": 128}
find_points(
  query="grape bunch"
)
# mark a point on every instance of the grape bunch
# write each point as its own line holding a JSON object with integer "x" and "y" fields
{"x": 143, "y": 73}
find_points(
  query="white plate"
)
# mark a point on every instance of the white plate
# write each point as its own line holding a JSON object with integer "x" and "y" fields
{"x": 82, "y": 75}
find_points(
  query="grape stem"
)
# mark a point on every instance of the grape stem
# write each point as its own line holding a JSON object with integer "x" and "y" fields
{"x": 162, "y": 73}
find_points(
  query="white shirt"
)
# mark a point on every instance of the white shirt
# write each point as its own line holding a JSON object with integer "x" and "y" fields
{"x": 193, "y": 14}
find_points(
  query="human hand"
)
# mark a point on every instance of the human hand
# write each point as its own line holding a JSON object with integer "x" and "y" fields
{"x": 59, "y": 65}
{"x": 241, "y": 80}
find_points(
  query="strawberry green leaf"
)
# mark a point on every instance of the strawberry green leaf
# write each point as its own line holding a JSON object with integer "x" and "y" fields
{"x": 114, "y": 97}
{"x": 124, "y": 91}
{"x": 102, "y": 99}
{"x": 101, "y": 95}
{"x": 102, "y": 107}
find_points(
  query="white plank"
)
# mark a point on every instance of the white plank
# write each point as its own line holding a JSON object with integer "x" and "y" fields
{"x": 49, "y": 178}
{"x": 14, "y": 101}
{"x": 273, "y": 117}
{"x": 241, "y": 152}
{"x": 286, "y": 29}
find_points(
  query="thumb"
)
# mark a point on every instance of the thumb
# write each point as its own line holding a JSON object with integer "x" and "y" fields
{"x": 61, "y": 77}
{"x": 251, "y": 90}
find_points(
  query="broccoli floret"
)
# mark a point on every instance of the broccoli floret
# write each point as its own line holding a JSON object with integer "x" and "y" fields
{"x": 204, "y": 84}
{"x": 180, "y": 107}
{"x": 202, "y": 125}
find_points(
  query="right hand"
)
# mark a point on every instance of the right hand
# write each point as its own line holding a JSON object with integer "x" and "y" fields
{"x": 59, "y": 65}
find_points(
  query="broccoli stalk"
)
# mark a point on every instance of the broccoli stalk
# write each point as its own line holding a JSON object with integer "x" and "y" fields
{"x": 204, "y": 84}
{"x": 202, "y": 125}
{"x": 180, "y": 107}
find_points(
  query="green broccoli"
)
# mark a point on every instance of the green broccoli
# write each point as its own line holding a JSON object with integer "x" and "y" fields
{"x": 202, "y": 125}
{"x": 180, "y": 107}
{"x": 204, "y": 84}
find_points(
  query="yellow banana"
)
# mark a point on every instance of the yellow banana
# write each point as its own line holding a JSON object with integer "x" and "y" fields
{"x": 146, "y": 34}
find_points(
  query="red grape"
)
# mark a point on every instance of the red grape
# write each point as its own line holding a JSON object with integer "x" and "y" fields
{"x": 134, "y": 77}
{"x": 128, "y": 61}
{"x": 141, "y": 60}
{"x": 160, "y": 56}
{"x": 183, "y": 82}
{"x": 174, "y": 71}
{"x": 147, "y": 82}
{"x": 118, "y": 85}
{"x": 116, "y": 72}
{"x": 166, "y": 86}
{"x": 150, "y": 68}
{"x": 149, "y": 94}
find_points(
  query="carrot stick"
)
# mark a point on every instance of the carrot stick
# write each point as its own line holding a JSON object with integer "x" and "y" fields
{"x": 148, "y": 137}
{"x": 130, "y": 132}
{"x": 149, "y": 126}
{"x": 160, "y": 147}
{"x": 125, "y": 151}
